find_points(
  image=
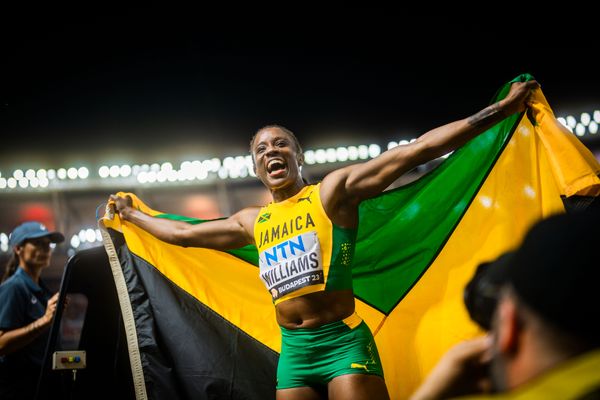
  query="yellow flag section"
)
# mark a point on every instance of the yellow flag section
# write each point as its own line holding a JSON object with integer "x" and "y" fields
{"x": 226, "y": 284}
{"x": 539, "y": 164}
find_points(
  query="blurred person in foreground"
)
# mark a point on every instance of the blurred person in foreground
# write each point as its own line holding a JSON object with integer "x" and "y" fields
{"x": 26, "y": 310}
{"x": 544, "y": 341}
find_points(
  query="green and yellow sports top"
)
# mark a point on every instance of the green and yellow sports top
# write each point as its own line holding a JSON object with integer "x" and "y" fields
{"x": 300, "y": 250}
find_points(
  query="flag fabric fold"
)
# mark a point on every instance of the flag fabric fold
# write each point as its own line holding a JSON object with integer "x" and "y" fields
{"x": 204, "y": 326}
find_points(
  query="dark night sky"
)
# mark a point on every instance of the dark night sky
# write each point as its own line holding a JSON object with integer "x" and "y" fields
{"x": 160, "y": 84}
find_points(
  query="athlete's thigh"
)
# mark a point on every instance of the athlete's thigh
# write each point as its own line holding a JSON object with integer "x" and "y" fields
{"x": 299, "y": 393}
{"x": 357, "y": 387}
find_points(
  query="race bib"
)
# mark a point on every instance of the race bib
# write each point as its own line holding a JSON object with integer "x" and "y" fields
{"x": 292, "y": 264}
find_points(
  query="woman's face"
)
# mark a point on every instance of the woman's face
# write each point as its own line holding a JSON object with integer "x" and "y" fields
{"x": 276, "y": 159}
{"x": 35, "y": 252}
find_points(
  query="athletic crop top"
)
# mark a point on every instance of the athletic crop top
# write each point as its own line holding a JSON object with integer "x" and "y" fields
{"x": 300, "y": 250}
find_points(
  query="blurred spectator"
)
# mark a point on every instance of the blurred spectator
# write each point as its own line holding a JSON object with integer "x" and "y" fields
{"x": 26, "y": 310}
{"x": 544, "y": 341}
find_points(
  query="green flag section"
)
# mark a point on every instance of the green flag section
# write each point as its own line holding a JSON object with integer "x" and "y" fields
{"x": 417, "y": 247}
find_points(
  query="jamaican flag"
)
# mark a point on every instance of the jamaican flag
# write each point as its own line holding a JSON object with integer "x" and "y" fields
{"x": 200, "y": 324}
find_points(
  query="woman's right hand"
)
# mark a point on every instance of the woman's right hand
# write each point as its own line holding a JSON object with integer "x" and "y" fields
{"x": 122, "y": 205}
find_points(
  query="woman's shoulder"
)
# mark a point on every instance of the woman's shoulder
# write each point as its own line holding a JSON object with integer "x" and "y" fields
{"x": 13, "y": 286}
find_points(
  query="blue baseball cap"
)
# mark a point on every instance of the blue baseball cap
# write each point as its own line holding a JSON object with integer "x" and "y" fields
{"x": 32, "y": 230}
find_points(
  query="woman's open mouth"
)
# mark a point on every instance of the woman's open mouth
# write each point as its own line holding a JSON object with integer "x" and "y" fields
{"x": 276, "y": 168}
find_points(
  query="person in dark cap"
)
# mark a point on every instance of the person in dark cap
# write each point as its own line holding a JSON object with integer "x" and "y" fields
{"x": 544, "y": 341}
{"x": 26, "y": 310}
{"x": 481, "y": 292}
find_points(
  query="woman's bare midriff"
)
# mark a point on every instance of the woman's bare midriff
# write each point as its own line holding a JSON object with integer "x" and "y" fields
{"x": 315, "y": 309}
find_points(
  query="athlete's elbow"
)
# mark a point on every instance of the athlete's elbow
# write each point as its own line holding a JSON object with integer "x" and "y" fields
{"x": 180, "y": 238}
